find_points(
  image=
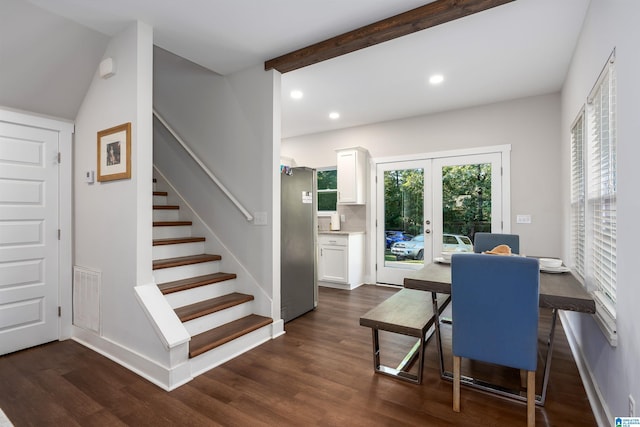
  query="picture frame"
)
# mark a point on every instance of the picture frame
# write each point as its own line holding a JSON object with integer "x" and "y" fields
{"x": 114, "y": 153}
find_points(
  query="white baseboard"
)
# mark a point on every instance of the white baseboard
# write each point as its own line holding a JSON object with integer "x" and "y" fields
{"x": 162, "y": 376}
{"x": 277, "y": 328}
{"x": 598, "y": 405}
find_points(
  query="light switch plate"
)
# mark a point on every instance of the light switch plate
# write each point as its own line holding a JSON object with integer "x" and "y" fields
{"x": 260, "y": 218}
{"x": 523, "y": 219}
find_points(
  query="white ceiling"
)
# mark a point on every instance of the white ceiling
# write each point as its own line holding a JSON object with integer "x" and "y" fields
{"x": 518, "y": 49}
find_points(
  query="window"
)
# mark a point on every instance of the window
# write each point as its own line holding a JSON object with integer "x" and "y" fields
{"x": 593, "y": 197}
{"x": 327, "y": 189}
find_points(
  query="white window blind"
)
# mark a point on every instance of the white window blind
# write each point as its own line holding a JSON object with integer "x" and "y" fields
{"x": 578, "y": 243}
{"x": 600, "y": 263}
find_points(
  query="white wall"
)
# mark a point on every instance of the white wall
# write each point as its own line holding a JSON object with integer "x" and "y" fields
{"x": 228, "y": 121}
{"x": 530, "y": 125}
{"x": 113, "y": 219}
{"x": 609, "y": 24}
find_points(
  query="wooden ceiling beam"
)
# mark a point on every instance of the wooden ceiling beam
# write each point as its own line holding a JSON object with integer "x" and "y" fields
{"x": 420, "y": 18}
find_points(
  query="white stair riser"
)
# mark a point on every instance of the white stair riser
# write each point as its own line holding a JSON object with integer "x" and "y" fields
{"x": 186, "y": 271}
{"x": 159, "y": 200}
{"x": 213, "y": 320}
{"x": 228, "y": 351}
{"x": 166, "y": 214}
{"x": 171, "y": 232}
{"x": 173, "y": 251}
{"x": 201, "y": 293}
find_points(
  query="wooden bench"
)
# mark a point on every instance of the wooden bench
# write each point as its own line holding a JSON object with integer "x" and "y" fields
{"x": 408, "y": 312}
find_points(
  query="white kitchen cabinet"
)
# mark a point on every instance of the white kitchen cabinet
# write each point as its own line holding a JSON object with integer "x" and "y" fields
{"x": 341, "y": 259}
{"x": 352, "y": 170}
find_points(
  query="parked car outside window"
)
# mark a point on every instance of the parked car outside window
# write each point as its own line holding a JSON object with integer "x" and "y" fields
{"x": 392, "y": 237}
{"x": 456, "y": 243}
{"x": 414, "y": 248}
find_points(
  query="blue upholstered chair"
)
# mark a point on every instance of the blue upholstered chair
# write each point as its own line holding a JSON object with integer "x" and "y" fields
{"x": 495, "y": 315}
{"x": 487, "y": 241}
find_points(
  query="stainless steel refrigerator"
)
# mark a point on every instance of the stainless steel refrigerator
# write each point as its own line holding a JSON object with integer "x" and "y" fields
{"x": 299, "y": 293}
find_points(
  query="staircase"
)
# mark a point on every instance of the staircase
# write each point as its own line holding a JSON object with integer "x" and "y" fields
{"x": 205, "y": 299}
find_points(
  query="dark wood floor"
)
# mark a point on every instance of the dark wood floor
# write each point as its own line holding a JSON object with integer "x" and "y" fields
{"x": 319, "y": 373}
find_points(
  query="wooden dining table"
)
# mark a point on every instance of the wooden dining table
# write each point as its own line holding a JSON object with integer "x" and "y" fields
{"x": 558, "y": 291}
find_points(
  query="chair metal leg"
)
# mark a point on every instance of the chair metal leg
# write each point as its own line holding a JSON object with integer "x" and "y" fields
{"x": 456, "y": 383}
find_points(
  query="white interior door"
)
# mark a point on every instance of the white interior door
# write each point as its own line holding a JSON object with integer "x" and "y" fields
{"x": 28, "y": 236}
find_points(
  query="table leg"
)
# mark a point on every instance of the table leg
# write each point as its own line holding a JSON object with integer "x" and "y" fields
{"x": 547, "y": 364}
{"x": 436, "y": 325}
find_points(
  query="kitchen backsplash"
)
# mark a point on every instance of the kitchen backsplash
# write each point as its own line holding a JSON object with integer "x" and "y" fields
{"x": 355, "y": 218}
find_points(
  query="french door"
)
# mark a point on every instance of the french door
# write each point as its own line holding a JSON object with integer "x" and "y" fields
{"x": 431, "y": 205}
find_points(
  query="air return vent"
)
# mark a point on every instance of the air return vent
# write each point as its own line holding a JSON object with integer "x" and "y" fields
{"x": 86, "y": 298}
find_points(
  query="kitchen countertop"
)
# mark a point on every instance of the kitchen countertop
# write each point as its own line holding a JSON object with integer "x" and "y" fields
{"x": 343, "y": 232}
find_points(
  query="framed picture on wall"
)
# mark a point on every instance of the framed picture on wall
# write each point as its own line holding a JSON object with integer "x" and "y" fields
{"x": 114, "y": 153}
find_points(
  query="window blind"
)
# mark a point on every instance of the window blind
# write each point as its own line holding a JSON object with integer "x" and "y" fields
{"x": 578, "y": 196}
{"x": 602, "y": 186}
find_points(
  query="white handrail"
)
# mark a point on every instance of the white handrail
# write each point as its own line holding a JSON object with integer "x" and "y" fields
{"x": 206, "y": 170}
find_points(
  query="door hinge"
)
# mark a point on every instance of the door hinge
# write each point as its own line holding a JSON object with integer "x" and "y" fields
{"x": 59, "y": 234}
{"x": 376, "y": 266}
{"x": 59, "y": 311}
{"x": 59, "y": 157}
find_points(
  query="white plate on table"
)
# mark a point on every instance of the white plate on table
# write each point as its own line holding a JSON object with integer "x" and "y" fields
{"x": 442, "y": 260}
{"x": 561, "y": 269}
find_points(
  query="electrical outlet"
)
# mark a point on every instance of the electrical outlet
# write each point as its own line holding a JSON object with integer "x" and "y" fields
{"x": 632, "y": 406}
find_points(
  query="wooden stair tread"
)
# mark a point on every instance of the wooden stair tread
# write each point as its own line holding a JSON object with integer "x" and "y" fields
{"x": 202, "y": 308}
{"x": 223, "y": 334}
{"x": 177, "y": 241}
{"x": 160, "y": 193}
{"x": 184, "y": 260}
{"x": 194, "y": 282}
{"x": 171, "y": 223}
{"x": 166, "y": 207}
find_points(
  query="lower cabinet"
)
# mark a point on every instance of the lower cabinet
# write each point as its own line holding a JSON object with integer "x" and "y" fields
{"x": 341, "y": 259}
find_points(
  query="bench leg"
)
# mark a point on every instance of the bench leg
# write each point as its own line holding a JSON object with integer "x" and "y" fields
{"x": 399, "y": 372}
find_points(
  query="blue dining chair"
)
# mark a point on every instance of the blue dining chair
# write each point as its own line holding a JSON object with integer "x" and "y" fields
{"x": 495, "y": 316}
{"x": 487, "y": 241}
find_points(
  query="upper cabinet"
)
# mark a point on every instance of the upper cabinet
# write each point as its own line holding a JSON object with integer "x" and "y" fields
{"x": 352, "y": 166}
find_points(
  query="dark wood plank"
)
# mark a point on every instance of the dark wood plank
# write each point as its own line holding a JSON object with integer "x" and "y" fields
{"x": 223, "y": 334}
{"x": 160, "y": 193}
{"x": 420, "y": 18}
{"x": 212, "y": 305}
{"x": 194, "y": 282}
{"x": 171, "y": 223}
{"x": 319, "y": 373}
{"x": 166, "y": 207}
{"x": 184, "y": 260}
{"x": 177, "y": 241}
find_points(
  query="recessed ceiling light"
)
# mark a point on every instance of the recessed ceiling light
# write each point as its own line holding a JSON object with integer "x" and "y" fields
{"x": 436, "y": 79}
{"x": 334, "y": 115}
{"x": 296, "y": 94}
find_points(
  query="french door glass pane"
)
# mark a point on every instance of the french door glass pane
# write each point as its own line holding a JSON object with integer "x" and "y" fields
{"x": 466, "y": 202}
{"x": 404, "y": 218}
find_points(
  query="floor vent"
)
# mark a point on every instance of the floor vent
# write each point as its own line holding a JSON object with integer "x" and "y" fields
{"x": 86, "y": 298}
